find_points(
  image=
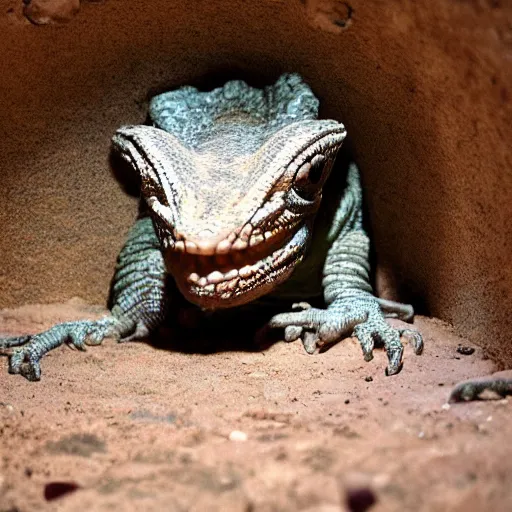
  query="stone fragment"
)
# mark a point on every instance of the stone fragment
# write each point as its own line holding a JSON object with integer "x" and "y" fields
{"x": 45, "y": 12}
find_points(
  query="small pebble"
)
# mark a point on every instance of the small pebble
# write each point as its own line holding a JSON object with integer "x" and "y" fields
{"x": 44, "y": 12}
{"x": 464, "y": 350}
{"x": 360, "y": 500}
{"x": 445, "y": 406}
{"x": 54, "y": 490}
{"x": 258, "y": 375}
{"x": 368, "y": 379}
{"x": 238, "y": 435}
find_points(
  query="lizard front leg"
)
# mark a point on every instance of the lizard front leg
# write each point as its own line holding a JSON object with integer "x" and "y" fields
{"x": 351, "y": 307}
{"x": 138, "y": 306}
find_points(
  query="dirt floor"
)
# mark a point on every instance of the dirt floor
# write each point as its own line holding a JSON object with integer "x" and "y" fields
{"x": 142, "y": 427}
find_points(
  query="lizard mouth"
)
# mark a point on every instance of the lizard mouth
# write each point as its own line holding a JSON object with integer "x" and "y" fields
{"x": 238, "y": 277}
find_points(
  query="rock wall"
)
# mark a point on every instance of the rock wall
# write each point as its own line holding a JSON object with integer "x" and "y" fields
{"x": 424, "y": 89}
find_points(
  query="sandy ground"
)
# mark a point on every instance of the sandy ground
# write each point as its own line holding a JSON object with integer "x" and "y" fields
{"x": 142, "y": 427}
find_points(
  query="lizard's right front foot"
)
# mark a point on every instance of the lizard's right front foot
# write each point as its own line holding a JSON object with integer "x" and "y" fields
{"x": 25, "y": 360}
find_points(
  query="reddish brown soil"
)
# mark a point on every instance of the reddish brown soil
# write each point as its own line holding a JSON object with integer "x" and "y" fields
{"x": 142, "y": 428}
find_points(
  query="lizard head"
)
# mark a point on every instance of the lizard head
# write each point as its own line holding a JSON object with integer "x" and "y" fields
{"x": 233, "y": 203}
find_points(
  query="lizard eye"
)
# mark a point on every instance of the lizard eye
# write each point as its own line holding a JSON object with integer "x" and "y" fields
{"x": 311, "y": 176}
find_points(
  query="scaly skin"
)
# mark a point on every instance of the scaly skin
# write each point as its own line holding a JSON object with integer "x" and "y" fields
{"x": 351, "y": 307}
{"x": 139, "y": 306}
{"x": 499, "y": 385}
{"x": 234, "y": 180}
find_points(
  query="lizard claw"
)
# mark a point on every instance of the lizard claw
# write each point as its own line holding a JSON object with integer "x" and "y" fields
{"x": 414, "y": 338}
{"x": 361, "y": 317}
{"x": 25, "y": 360}
{"x": 377, "y": 330}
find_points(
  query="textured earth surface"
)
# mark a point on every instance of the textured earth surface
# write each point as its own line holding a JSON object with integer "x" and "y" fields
{"x": 242, "y": 427}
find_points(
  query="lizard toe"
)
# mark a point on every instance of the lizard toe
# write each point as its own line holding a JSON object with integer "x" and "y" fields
{"x": 414, "y": 338}
{"x": 366, "y": 340}
{"x": 24, "y": 362}
{"x": 292, "y": 333}
{"x": 377, "y": 331}
{"x": 310, "y": 341}
{"x": 317, "y": 328}
{"x": 15, "y": 341}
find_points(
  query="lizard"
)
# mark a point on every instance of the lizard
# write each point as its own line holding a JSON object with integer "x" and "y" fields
{"x": 242, "y": 206}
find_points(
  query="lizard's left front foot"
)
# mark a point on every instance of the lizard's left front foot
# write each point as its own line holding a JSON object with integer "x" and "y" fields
{"x": 359, "y": 317}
